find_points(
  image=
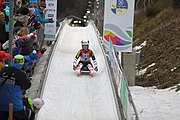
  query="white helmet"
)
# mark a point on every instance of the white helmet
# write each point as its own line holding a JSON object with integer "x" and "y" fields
{"x": 84, "y": 42}
{"x": 38, "y": 103}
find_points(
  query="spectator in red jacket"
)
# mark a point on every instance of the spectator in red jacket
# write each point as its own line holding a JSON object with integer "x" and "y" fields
{"x": 2, "y": 5}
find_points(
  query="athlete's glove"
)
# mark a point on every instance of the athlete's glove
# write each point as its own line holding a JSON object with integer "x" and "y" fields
{"x": 74, "y": 67}
{"x": 50, "y": 20}
{"x": 96, "y": 68}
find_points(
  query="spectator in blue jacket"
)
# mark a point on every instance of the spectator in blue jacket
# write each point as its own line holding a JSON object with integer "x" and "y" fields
{"x": 39, "y": 11}
{"x": 12, "y": 82}
{"x": 29, "y": 60}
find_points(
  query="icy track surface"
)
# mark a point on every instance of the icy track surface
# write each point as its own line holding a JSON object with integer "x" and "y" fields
{"x": 68, "y": 97}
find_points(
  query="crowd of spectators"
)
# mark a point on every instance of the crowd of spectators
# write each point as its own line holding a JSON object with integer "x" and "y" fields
{"x": 26, "y": 50}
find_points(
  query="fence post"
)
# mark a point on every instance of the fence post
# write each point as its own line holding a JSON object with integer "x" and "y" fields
{"x": 10, "y": 111}
{"x": 11, "y": 5}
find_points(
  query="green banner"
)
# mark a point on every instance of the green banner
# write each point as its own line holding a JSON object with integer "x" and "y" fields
{"x": 123, "y": 95}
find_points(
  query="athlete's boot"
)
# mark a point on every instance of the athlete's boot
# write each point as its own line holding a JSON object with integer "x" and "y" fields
{"x": 78, "y": 69}
{"x": 91, "y": 74}
{"x": 78, "y": 73}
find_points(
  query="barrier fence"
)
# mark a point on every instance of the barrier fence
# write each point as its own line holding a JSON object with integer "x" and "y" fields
{"x": 122, "y": 85}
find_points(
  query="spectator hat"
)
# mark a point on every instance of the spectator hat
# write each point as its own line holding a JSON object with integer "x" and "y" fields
{"x": 33, "y": 2}
{"x": 33, "y": 55}
{"x": 4, "y": 55}
{"x": 38, "y": 103}
{"x": 23, "y": 19}
{"x": 19, "y": 59}
{"x": 24, "y": 11}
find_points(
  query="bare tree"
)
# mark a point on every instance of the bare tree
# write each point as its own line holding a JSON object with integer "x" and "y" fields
{"x": 145, "y": 5}
{"x": 137, "y": 3}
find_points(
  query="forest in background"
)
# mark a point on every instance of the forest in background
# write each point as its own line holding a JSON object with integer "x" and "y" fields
{"x": 71, "y": 7}
{"x": 159, "y": 25}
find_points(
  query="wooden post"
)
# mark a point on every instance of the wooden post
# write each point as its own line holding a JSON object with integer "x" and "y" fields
{"x": 10, "y": 111}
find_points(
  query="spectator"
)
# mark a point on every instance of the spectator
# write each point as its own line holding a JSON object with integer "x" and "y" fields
{"x": 19, "y": 59}
{"x": 35, "y": 27}
{"x": 32, "y": 7}
{"x": 28, "y": 44}
{"x": 30, "y": 60}
{"x": 17, "y": 4}
{"x": 25, "y": 3}
{"x": 21, "y": 22}
{"x": 23, "y": 11}
{"x": 7, "y": 13}
{"x": 2, "y": 5}
{"x": 32, "y": 107}
{"x": 15, "y": 43}
{"x": 12, "y": 82}
{"x": 23, "y": 31}
{"x": 2, "y": 30}
{"x": 3, "y": 56}
{"x": 40, "y": 14}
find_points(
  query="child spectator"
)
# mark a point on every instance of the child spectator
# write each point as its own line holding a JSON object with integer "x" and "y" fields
{"x": 30, "y": 60}
{"x": 29, "y": 43}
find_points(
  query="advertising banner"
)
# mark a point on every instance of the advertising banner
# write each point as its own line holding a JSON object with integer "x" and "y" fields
{"x": 118, "y": 24}
{"x": 51, "y": 12}
{"x": 114, "y": 63}
{"x": 124, "y": 95}
{"x": 120, "y": 82}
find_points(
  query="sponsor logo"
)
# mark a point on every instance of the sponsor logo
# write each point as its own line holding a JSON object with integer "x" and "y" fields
{"x": 49, "y": 26}
{"x": 49, "y": 36}
{"x": 119, "y": 7}
{"x": 50, "y": 15}
{"x": 50, "y": 4}
{"x": 50, "y": 0}
{"x": 51, "y": 10}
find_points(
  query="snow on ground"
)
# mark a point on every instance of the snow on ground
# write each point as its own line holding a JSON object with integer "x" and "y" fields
{"x": 143, "y": 71}
{"x": 156, "y": 104}
{"x": 140, "y": 46}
